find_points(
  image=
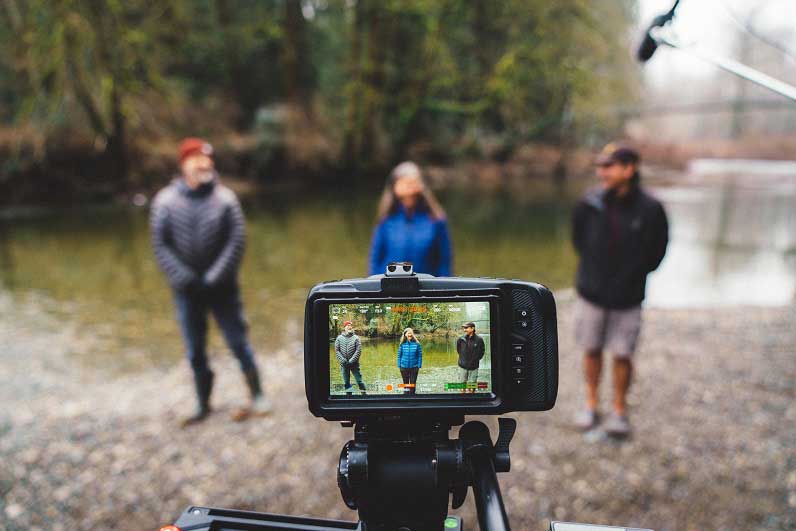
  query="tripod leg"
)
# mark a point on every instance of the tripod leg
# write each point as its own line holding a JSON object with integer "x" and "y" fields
{"x": 488, "y": 500}
{"x": 479, "y": 459}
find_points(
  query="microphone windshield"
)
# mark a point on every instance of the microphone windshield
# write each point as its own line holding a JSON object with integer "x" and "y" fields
{"x": 646, "y": 48}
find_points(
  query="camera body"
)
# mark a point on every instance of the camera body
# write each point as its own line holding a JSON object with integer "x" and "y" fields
{"x": 359, "y": 329}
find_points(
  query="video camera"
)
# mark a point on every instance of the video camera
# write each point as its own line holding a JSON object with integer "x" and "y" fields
{"x": 507, "y": 361}
{"x": 402, "y": 358}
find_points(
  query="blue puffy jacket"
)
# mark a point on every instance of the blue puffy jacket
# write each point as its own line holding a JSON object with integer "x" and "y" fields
{"x": 419, "y": 238}
{"x": 410, "y": 355}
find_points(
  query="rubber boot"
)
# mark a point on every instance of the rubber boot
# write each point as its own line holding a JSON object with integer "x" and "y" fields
{"x": 253, "y": 381}
{"x": 204, "y": 386}
{"x": 259, "y": 405}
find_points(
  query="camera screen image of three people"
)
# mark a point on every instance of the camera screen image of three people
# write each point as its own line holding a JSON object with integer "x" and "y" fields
{"x": 408, "y": 348}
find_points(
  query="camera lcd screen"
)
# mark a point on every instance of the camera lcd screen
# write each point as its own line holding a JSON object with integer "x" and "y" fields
{"x": 410, "y": 348}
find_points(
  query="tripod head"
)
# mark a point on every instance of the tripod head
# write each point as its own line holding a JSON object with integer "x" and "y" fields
{"x": 400, "y": 474}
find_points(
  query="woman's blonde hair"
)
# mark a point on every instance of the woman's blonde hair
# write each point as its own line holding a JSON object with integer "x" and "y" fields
{"x": 403, "y": 336}
{"x": 388, "y": 204}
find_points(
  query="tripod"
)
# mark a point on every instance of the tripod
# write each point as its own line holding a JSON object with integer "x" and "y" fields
{"x": 398, "y": 473}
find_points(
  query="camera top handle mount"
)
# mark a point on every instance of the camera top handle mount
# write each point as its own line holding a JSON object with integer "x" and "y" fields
{"x": 398, "y": 473}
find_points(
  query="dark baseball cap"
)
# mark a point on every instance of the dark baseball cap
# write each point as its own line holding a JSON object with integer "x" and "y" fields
{"x": 467, "y": 325}
{"x": 617, "y": 152}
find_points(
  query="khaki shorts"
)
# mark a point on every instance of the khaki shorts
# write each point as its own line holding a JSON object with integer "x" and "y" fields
{"x": 598, "y": 328}
{"x": 466, "y": 375}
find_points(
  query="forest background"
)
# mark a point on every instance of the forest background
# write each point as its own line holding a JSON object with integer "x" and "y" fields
{"x": 95, "y": 94}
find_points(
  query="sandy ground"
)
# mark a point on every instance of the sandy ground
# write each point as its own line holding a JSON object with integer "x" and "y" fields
{"x": 713, "y": 408}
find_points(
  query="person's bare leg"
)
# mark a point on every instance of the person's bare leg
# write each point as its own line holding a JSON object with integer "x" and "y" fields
{"x": 588, "y": 418}
{"x": 592, "y": 368}
{"x": 623, "y": 372}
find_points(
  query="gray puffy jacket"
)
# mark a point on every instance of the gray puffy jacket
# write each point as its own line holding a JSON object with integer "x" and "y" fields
{"x": 348, "y": 348}
{"x": 198, "y": 235}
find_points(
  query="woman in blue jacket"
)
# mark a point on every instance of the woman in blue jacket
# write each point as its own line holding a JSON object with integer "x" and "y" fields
{"x": 411, "y": 227}
{"x": 410, "y": 359}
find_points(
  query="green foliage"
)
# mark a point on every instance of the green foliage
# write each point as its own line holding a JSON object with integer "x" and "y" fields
{"x": 90, "y": 53}
{"x": 379, "y": 79}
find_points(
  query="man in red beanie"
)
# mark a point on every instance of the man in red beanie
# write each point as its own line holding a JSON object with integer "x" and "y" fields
{"x": 348, "y": 351}
{"x": 198, "y": 235}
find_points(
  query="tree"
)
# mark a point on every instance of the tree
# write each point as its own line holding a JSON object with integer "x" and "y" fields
{"x": 94, "y": 56}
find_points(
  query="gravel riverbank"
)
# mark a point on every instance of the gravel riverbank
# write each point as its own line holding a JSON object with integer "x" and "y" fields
{"x": 713, "y": 407}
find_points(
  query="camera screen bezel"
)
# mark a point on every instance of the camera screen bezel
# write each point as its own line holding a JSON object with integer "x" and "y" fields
{"x": 475, "y": 403}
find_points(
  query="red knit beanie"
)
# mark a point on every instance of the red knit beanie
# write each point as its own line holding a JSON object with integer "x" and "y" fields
{"x": 194, "y": 146}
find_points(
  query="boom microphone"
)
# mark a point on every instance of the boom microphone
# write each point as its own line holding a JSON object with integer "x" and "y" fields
{"x": 649, "y": 44}
{"x": 646, "y": 48}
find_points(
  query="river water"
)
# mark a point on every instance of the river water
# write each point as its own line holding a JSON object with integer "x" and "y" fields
{"x": 731, "y": 244}
{"x": 96, "y": 265}
{"x": 733, "y": 237}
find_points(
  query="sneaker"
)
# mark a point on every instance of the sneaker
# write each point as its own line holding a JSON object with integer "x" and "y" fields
{"x": 618, "y": 426}
{"x": 587, "y": 419}
{"x": 240, "y": 414}
{"x": 260, "y": 406}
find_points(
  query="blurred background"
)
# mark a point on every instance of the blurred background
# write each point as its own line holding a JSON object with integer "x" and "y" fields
{"x": 309, "y": 104}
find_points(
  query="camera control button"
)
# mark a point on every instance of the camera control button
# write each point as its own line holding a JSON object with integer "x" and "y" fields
{"x": 518, "y": 372}
{"x": 523, "y": 324}
{"x": 517, "y": 360}
{"x": 517, "y": 348}
{"x": 518, "y": 382}
{"x": 522, "y": 314}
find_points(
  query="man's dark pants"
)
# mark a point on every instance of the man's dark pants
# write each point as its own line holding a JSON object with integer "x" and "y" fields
{"x": 347, "y": 370}
{"x": 225, "y": 305}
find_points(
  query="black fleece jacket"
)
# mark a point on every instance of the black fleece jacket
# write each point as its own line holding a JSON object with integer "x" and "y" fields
{"x": 620, "y": 241}
{"x": 471, "y": 350}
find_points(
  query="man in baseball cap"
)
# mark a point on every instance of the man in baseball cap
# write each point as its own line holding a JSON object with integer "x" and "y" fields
{"x": 198, "y": 236}
{"x": 471, "y": 349}
{"x": 620, "y": 233}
